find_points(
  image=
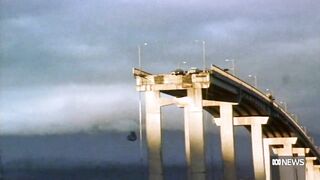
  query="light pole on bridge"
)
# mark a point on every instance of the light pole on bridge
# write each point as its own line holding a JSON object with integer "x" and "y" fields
{"x": 181, "y": 63}
{"x": 140, "y": 105}
{"x": 255, "y": 80}
{"x": 285, "y": 105}
{"x": 232, "y": 65}
{"x": 203, "y": 53}
{"x": 139, "y": 54}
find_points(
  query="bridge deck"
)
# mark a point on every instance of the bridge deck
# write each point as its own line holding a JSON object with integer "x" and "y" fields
{"x": 222, "y": 86}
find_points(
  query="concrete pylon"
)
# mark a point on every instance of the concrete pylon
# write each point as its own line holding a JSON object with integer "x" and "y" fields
{"x": 310, "y": 174}
{"x": 256, "y": 123}
{"x": 286, "y": 142}
{"x": 293, "y": 171}
{"x": 316, "y": 171}
{"x": 194, "y": 135}
{"x": 153, "y": 133}
{"x": 300, "y": 173}
{"x": 226, "y": 138}
{"x": 227, "y": 142}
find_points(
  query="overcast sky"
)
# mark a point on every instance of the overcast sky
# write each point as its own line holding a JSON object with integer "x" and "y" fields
{"x": 65, "y": 66}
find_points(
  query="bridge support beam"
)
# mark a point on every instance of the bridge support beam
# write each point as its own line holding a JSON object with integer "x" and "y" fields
{"x": 256, "y": 140}
{"x": 310, "y": 174}
{"x": 153, "y": 133}
{"x": 227, "y": 142}
{"x": 194, "y": 135}
{"x": 286, "y": 142}
{"x": 226, "y": 138}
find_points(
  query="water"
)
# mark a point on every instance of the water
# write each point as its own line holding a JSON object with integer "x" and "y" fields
{"x": 79, "y": 173}
{"x": 105, "y": 156}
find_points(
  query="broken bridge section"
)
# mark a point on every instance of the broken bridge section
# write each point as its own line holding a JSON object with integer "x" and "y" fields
{"x": 231, "y": 102}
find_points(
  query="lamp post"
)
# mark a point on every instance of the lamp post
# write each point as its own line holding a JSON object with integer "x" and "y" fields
{"x": 255, "y": 80}
{"x": 139, "y": 54}
{"x": 140, "y": 105}
{"x": 268, "y": 91}
{"x": 232, "y": 65}
{"x": 284, "y": 104}
{"x": 181, "y": 63}
{"x": 203, "y": 53}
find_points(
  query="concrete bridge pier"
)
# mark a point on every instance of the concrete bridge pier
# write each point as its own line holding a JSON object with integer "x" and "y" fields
{"x": 310, "y": 173}
{"x": 316, "y": 171}
{"x": 226, "y": 138}
{"x": 286, "y": 142}
{"x": 190, "y": 85}
{"x": 153, "y": 133}
{"x": 227, "y": 141}
{"x": 285, "y": 172}
{"x": 194, "y": 135}
{"x": 256, "y": 123}
{"x": 297, "y": 152}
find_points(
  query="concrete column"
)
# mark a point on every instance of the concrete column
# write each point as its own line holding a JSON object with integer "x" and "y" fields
{"x": 287, "y": 143}
{"x": 227, "y": 142}
{"x": 257, "y": 151}
{"x": 301, "y": 153}
{"x": 309, "y": 168}
{"x": 256, "y": 139}
{"x": 153, "y": 133}
{"x": 194, "y": 135}
{"x": 316, "y": 171}
{"x": 285, "y": 172}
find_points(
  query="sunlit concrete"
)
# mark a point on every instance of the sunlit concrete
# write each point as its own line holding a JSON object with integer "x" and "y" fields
{"x": 256, "y": 123}
{"x": 297, "y": 151}
{"x": 300, "y": 152}
{"x": 310, "y": 173}
{"x": 227, "y": 142}
{"x": 227, "y": 139}
{"x": 290, "y": 172}
{"x": 316, "y": 171}
{"x": 287, "y": 143}
{"x": 153, "y": 133}
{"x": 177, "y": 85}
{"x": 194, "y": 135}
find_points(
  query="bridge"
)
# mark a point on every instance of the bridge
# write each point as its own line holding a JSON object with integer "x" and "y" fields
{"x": 231, "y": 102}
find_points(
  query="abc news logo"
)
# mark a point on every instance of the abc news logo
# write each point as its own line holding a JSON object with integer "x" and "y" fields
{"x": 288, "y": 161}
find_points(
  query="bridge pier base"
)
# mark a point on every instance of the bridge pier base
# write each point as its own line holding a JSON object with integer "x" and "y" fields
{"x": 194, "y": 135}
{"x": 287, "y": 143}
{"x": 310, "y": 174}
{"x": 256, "y": 140}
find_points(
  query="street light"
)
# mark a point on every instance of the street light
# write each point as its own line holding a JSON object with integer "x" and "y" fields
{"x": 181, "y": 63}
{"x": 203, "y": 53}
{"x": 233, "y": 65}
{"x": 140, "y": 105}
{"x": 139, "y": 54}
{"x": 285, "y": 105}
{"x": 255, "y": 80}
{"x": 269, "y": 91}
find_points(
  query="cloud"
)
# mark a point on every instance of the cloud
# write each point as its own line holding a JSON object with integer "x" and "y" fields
{"x": 65, "y": 109}
{"x": 93, "y": 44}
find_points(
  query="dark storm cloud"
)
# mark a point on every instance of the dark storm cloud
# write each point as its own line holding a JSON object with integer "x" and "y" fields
{"x": 94, "y": 43}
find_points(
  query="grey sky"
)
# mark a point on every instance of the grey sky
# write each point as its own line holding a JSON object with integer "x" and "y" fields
{"x": 65, "y": 66}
